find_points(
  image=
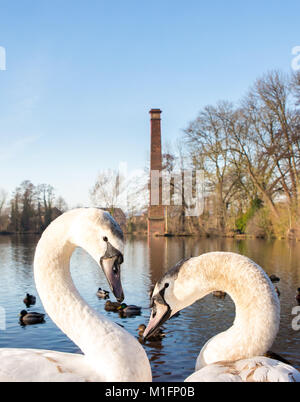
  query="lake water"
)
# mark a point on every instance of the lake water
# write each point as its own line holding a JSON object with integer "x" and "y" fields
{"x": 172, "y": 359}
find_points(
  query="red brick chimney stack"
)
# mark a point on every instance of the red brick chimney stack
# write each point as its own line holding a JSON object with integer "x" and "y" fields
{"x": 156, "y": 210}
{"x": 156, "y": 158}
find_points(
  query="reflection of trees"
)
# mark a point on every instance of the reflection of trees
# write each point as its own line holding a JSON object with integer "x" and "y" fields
{"x": 23, "y": 248}
{"x": 156, "y": 258}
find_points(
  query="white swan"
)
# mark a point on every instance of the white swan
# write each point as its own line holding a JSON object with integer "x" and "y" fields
{"x": 236, "y": 354}
{"x": 110, "y": 353}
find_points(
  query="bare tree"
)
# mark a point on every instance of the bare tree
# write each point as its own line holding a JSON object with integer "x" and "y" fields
{"x": 114, "y": 189}
{"x": 61, "y": 204}
{"x": 107, "y": 190}
{"x": 295, "y": 86}
{"x": 3, "y": 210}
{"x": 45, "y": 196}
{"x": 273, "y": 127}
{"x": 246, "y": 151}
{"x": 3, "y": 199}
{"x": 208, "y": 138}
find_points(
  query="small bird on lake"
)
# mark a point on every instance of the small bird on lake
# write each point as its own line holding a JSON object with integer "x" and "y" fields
{"x": 129, "y": 310}
{"x": 274, "y": 278}
{"x": 156, "y": 337}
{"x": 29, "y": 300}
{"x": 31, "y": 318}
{"x": 112, "y": 306}
{"x": 277, "y": 291}
{"x": 102, "y": 294}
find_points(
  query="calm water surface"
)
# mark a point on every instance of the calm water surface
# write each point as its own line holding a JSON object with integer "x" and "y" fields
{"x": 172, "y": 359}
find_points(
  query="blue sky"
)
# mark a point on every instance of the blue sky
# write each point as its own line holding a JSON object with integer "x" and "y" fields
{"x": 81, "y": 77}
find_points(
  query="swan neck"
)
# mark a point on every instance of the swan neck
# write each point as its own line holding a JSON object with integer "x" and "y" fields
{"x": 257, "y": 306}
{"x": 93, "y": 333}
{"x": 57, "y": 291}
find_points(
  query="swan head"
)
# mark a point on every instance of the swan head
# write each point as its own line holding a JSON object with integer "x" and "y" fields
{"x": 110, "y": 263}
{"x": 164, "y": 301}
{"x": 100, "y": 235}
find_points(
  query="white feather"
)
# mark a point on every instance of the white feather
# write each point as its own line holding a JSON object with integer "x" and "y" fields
{"x": 256, "y": 369}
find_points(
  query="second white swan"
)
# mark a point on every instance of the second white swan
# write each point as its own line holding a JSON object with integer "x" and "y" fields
{"x": 236, "y": 354}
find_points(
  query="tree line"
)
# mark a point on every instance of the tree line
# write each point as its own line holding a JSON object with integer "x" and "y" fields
{"x": 31, "y": 208}
{"x": 250, "y": 153}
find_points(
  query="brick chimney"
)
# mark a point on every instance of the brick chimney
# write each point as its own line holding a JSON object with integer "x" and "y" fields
{"x": 156, "y": 224}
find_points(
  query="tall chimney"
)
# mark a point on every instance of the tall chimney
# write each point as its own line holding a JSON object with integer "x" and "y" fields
{"x": 156, "y": 210}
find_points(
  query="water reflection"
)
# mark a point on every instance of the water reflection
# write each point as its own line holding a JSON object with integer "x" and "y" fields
{"x": 172, "y": 357}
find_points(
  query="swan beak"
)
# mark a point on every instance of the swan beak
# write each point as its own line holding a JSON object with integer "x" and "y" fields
{"x": 163, "y": 313}
{"x": 112, "y": 272}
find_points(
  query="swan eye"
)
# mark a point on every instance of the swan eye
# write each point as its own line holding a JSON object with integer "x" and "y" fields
{"x": 105, "y": 239}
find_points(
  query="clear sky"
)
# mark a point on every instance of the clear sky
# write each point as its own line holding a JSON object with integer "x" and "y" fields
{"x": 81, "y": 76}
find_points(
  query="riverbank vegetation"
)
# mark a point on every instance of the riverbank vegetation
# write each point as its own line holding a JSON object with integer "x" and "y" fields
{"x": 30, "y": 209}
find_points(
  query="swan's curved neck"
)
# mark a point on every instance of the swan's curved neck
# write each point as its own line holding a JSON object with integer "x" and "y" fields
{"x": 257, "y": 306}
{"x": 96, "y": 336}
